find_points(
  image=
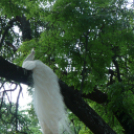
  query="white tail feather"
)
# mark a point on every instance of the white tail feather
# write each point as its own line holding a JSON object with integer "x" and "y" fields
{"x": 48, "y": 101}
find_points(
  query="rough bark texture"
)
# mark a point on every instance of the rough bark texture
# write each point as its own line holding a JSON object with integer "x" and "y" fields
{"x": 83, "y": 111}
{"x": 13, "y": 72}
{"x": 72, "y": 98}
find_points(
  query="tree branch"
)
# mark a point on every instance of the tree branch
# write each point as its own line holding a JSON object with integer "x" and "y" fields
{"x": 96, "y": 96}
{"x": 13, "y": 72}
{"x": 26, "y": 30}
{"x": 117, "y": 69}
{"x": 10, "y": 24}
{"x": 72, "y": 98}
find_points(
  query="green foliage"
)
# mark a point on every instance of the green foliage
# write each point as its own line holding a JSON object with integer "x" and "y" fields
{"x": 80, "y": 40}
{"x": 9, "y": 118}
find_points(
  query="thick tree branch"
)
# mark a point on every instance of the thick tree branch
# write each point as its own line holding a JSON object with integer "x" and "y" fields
{"x": 72, "y": 98}
{"x": 96, "y": 96}
{"x": 13, "y": 72}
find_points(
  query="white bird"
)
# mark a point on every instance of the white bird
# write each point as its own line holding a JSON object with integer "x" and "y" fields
{"x": 47, "y": 99}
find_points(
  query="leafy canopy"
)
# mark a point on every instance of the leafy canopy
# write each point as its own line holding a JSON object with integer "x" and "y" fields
{"x": 82, "y": 41}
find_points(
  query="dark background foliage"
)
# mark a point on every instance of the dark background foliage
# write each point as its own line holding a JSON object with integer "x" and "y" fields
{"x": 89, "y": 45}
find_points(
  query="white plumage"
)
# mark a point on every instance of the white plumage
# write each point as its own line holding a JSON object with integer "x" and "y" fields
{"x": 48, "y": 101}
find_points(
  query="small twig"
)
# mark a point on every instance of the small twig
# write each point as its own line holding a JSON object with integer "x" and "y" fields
{"x": 17, "y": 105}
{"x": 84, "y": 66}
{"x": 117, "y": 69}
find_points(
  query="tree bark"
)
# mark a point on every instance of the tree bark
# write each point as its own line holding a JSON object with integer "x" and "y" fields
{"x": 13, "y": 72}
{"x": 96, "y": 96}
{"x": 72, "y": 98}
{"x": 9, "y": 25}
